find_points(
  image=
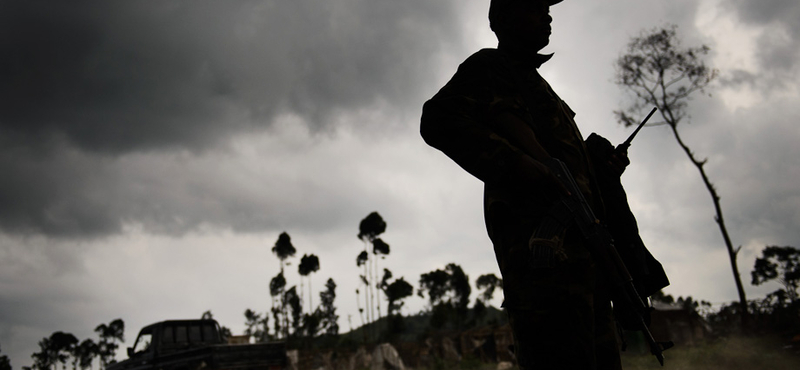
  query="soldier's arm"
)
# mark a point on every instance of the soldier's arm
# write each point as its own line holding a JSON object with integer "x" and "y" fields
{"x": 499, "y": 148}
{"x": 521, "y": 136}
{"x": 475, "y": 126}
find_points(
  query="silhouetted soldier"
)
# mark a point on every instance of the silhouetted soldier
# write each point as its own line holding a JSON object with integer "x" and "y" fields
{"x": 498, "y": 119}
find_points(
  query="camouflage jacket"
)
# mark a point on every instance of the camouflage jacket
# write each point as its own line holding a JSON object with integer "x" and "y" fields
{"x": 458, "y": 121}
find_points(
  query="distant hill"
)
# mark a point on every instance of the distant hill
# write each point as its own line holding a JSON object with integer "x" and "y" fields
{"x": 416, "y": 327}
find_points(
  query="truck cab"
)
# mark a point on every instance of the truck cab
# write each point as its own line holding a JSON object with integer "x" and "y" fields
{"x": 196, "y": 345}
{"x": 175, "y": 335}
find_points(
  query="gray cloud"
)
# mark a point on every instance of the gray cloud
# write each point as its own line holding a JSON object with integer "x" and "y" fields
{"x": 778, "y": 47}
{"x": 767, "y": 11}
{"x": 122, "y": 76}
{"x": 91, "y": 82}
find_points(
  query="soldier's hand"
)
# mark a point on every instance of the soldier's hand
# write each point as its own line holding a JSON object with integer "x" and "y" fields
{"x": 537, "y": 175}
{"x": 617, "y": 162}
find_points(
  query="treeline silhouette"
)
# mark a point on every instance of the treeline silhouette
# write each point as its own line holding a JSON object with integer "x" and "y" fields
{"x": 447, "y": 291}
{"x": 300, "y": 325}
{"x": 778, "y": 313}
{"x": 66, "y": 349}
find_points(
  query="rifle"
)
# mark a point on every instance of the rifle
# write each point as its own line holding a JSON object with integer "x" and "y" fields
{"x": 574, "y": 210}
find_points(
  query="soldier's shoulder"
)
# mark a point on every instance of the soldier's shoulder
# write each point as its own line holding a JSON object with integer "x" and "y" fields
{"x": 481, "y": 65}
{"x": 476, "y": 76}
{"x": 484, "y": 58}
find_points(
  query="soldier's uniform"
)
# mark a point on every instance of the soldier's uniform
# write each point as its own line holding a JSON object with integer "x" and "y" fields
{"x": 560, "y": 313}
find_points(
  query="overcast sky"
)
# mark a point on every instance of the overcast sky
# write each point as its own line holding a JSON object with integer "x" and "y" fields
{"x": 152, "y": 151}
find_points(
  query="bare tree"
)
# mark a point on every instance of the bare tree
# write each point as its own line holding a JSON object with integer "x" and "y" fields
{"x": 659, "y": 72}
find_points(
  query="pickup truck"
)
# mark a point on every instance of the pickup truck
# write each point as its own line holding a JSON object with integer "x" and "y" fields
{"x": 197, "y": 345}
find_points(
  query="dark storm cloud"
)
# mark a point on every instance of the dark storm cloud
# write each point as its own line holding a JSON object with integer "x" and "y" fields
{"x": 109, "y": 79}
{"x": 89, "y": 82}
{"x": 121, "y": 76}
{"x": 53, "y": 194}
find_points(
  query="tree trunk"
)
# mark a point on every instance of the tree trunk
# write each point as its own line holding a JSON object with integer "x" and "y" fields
{"x": 732, "y": 252}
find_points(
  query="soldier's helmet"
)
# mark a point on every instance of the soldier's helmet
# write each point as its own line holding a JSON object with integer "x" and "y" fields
{"x": 497, "y": 7}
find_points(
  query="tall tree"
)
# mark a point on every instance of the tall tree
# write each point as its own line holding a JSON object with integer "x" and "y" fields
{"x": 328, "y": 318}
{"x": 379, "y": 249}
{"x": 781, "y": 264}
{"x": 361, "y": 260}
{"x": 659, "y": 72}
{"x": 276, "y": 289}
{"x": 368, "y": 231}
{"x": 283, "y": 249}
{"x": 292, "y": 300}
{"x": 308, "y": 264}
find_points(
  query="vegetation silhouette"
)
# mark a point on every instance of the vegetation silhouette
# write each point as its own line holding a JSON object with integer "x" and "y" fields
{"x": 447, "y": 290}
{"x": 369, "y": 230}
{"x": 61, "y": 347}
